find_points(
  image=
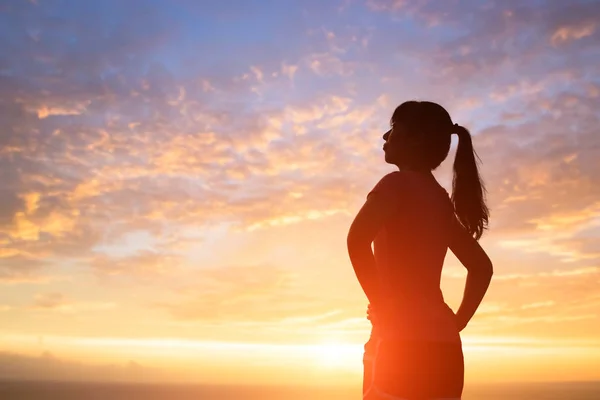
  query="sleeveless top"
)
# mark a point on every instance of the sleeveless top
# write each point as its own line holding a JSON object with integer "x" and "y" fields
{"x": 409, "y": 252}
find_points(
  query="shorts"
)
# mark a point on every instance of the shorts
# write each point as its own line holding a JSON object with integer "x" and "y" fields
{"x": 407, "y": 370}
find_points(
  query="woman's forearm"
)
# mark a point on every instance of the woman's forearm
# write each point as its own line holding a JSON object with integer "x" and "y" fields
{"x": 475, "y": 288}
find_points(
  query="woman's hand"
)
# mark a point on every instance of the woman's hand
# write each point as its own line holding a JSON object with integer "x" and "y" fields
{"x": 460, "y": 324}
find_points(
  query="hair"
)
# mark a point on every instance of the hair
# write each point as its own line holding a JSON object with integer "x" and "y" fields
{"x": 430, "y": 127}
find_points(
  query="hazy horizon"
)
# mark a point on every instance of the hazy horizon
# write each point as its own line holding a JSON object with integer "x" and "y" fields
{"x": 93, "y": 391}
{"x": 178, "y": 179}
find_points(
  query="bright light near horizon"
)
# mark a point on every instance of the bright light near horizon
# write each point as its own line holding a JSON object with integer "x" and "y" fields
{"x": 329, "y": 351}
{"x": 174, "y": 359}
{"x": 335, "y": 354}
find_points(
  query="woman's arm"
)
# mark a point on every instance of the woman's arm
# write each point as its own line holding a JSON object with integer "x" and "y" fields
{"x": 479, "y": 272}
{"x": 379, "y": 206}
{"x": 360, "y": 237}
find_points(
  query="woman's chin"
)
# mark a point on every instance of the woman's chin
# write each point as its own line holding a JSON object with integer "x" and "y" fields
{"x": 391, "y": 158}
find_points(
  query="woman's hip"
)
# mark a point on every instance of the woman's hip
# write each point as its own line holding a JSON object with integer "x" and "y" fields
{"x": 406, "y": 369}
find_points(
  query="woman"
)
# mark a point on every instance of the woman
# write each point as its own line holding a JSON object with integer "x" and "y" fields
{"x": 415, "y": 350}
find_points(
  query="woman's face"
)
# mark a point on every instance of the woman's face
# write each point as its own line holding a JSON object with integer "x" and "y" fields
{"x": 395, "y": 143}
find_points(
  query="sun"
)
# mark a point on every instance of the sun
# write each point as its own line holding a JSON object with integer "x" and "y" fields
{"x": 335, "y": 355}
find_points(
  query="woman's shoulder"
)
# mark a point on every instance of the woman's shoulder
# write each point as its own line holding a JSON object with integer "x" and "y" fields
{"x": 396, "y": 176}
{"x": 403, "y": 178}
{"x": 392, "y": 179}
{"x": 393, "y": 182}
{"x": 410, "y": 182}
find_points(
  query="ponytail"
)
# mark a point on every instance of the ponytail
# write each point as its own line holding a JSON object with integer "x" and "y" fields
{"x": 468, "y": 190}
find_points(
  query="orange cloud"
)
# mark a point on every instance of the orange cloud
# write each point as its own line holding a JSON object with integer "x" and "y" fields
{"x": 565, "y": 34}
{"x": 58, "y": 302}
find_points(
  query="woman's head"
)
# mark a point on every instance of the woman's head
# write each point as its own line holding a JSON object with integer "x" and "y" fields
{"x": 420, "y": 136}
{"x": 420, "y": 140}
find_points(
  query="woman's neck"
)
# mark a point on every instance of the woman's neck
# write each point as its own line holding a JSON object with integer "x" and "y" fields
{"x": 425, "y": 172}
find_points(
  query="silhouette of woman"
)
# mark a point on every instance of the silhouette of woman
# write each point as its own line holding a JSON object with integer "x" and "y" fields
{"x": 415, "y": 349}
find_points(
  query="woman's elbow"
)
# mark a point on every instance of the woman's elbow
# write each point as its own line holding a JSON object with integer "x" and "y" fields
{"x": 482, "y": 268}
{"x": 487, "y": 268}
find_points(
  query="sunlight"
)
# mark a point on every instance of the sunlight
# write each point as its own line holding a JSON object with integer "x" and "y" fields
{"x": 325, "y": 361}
{"x": 337, "y": 355}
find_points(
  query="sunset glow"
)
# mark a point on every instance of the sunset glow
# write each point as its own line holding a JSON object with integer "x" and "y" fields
{"x": 178, "y": 179}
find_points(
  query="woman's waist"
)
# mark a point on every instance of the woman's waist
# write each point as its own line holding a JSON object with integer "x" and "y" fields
{"x": 408, "y": 302}
{"x": 417, "y": 332}
{"x": 434, "y": 321}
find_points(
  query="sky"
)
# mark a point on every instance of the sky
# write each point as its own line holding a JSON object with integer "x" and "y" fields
{"x": 178, "y": 179}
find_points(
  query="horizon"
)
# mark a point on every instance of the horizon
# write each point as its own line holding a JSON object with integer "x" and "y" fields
{"x": 323, "y": 385}
{"x": 75, "y": 391}
{"x": 179, "y": 179}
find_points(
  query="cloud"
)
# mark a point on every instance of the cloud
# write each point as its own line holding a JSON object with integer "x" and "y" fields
{"x": 480, "y": 38}
{"x": 558, "y": 302}
{"x": 48, "y": 367}
{"x": 242, "y": 293}
{"x": 162, "y": 151}
{"x": 289, "y": 70}
{"x": 569, "y": 33}
{"x": 58, "y": 302}
{"x": 144, "y": 264}
{"x": 137, "y": 148}
{"x": 49, "y": 300}
{"x": 46, "y": 111}
{"x": 387, "y": 5}
{"x": 18, "y": 268}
